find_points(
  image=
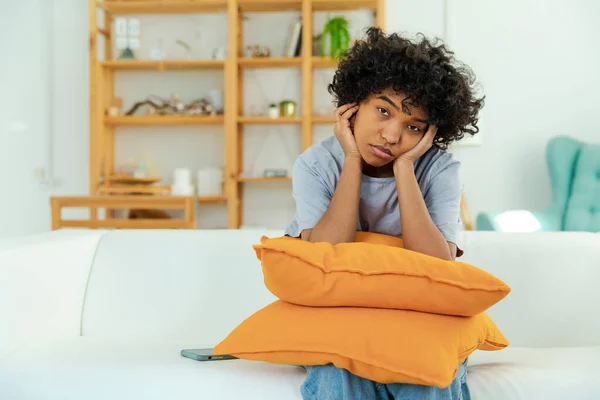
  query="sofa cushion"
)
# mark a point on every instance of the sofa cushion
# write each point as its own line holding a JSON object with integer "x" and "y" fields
{"x": 93, "y": 369}
{"x": 535, "y": 373}
{"x": 387, "y": 346}
{"x": 371, "y": 274}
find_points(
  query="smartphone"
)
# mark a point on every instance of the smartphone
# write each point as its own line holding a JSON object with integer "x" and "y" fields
{"x": 205, "y": 355}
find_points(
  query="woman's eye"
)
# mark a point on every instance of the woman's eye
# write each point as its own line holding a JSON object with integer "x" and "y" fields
{"x": 414, "y": 128}
{"x": 383, "y": 111}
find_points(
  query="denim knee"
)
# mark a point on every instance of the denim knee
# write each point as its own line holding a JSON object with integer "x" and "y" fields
{"x": 328, "y": 382}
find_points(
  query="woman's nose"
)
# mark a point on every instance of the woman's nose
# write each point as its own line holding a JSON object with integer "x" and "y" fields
{"x": 392, "y": 136}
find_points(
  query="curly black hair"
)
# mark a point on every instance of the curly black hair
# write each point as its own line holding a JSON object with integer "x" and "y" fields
{"x": 425, "y": 72}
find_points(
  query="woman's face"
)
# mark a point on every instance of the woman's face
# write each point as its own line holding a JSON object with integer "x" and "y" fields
{"x": 384, "y": 129}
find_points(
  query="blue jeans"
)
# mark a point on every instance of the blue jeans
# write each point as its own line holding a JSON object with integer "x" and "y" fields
{"x": 328, "y": 382}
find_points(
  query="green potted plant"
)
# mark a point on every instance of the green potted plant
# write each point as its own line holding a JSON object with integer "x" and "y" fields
{"x": 336, "y": 32}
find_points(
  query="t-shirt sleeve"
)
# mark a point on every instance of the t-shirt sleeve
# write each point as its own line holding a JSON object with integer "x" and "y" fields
{"x": 311, "y": 193}
{"x": 443, "y": 202}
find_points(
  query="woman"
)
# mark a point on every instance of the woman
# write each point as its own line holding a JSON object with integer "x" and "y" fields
{"x": 386, "y": 170}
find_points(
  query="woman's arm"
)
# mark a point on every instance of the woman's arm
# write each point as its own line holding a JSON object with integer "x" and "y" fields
{"x": 338, "y": 224}
{"x": 419, "y": 232}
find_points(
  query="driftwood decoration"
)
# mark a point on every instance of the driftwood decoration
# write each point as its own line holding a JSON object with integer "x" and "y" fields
{"x": 173, "y": 106}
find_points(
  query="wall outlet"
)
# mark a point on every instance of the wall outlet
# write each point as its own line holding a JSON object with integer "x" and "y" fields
{"x": 39, "y": 173}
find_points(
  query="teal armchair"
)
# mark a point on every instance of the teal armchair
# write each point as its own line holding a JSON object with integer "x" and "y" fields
{"x": 574, "y": 169}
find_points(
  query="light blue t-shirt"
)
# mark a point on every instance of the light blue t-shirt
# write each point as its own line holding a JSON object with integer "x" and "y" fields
{"x": 315, "y": 176}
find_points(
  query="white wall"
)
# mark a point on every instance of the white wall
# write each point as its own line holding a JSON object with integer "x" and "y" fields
{"x": 35, "y": 97}
{"x": 536, "y": 60}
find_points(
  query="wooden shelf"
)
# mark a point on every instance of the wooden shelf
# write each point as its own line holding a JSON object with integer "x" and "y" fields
{"x": 161, "y": 120}
{"x": 269, "y": 62}
{"x": 162, "y": 65}
{"x": 269, "y": 121}
{"x": 319, "y": 119}
{"x": 323, "y": 62}
{"x": 343, "y": 5}
{"x": 257, "y": 179}
{"x": 130, "y": 189}
{"x": 125, "y": 190}
{"x": 212, "y": 199}
{"x": 119, "y": 7}
{"x": 269, "y": 5}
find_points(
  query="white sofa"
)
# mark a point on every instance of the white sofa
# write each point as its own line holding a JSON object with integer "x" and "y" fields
{"x": 104, "y": 314}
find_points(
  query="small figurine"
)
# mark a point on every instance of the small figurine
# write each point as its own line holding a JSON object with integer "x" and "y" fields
{"x": 256, "y": 51}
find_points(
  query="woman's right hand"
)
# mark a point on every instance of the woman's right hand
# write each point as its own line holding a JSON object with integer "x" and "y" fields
{"x": 342, "y": 129}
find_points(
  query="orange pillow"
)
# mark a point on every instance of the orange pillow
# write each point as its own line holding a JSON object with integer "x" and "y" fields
{"x": 372, "y": 274}
{"x": 387, "y": 346}
{"x": 378, "y": 238}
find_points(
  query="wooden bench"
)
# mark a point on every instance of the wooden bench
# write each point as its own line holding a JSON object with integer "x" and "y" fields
{"x": 132, "y": 202}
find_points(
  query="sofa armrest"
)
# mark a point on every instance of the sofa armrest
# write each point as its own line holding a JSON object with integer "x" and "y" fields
{"x": 520, "y": 221}
{"x": 42, "y": 285}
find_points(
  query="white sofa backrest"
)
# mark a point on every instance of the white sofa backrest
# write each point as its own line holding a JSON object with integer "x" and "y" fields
{"x": 554, "y": 276}
{"x": 196, "y": 286}
{"x": 42, "y": 285}
{"x": 185, "y": 285}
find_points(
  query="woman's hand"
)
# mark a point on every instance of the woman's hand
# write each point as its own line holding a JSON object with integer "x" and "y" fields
{"x": 342, "y": 129}
{"x": 420, "y": 148}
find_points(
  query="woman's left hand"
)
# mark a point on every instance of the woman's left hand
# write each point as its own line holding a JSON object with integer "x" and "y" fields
{"x": 420, "y": 148}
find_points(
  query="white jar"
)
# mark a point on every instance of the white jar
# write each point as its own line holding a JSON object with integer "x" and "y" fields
{"x": 182, "y": 190}
{"x": 210, "y": 182}
{"x": 182, "y": 176}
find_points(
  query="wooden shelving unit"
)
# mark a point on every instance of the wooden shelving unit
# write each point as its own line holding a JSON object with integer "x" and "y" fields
{"x": 270, "y": 62}
{"x": 140, "y": 65}
{"x": 156, "y": 120}
{"x": 212, "y": 199}
{"x": 323, "y": 120}
{"x": 323, "y": 62}
{"x": 268, "y": 121}
{"x": 260, "y": 179}
{"x": 307, "y": 63}
{"x": 128, "y": 7}
{"x": 109, "y": 195}
{"x": 112, "y": 189}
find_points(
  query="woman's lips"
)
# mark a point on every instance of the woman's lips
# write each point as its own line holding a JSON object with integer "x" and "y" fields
{"x": 381, "y": 152}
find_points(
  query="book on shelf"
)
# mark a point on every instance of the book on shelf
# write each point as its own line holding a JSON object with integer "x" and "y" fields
{"x": 294, "y": 43}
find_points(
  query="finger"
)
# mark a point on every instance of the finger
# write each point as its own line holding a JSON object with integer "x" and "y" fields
{"x": 430, "y": 134}
{"x": 432, "y": 130}
{"x": 348, "y": 113}
{"x": 342, "y": 109}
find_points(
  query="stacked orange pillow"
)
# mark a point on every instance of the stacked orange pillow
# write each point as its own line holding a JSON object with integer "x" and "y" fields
{"x": 372, "y": 307}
